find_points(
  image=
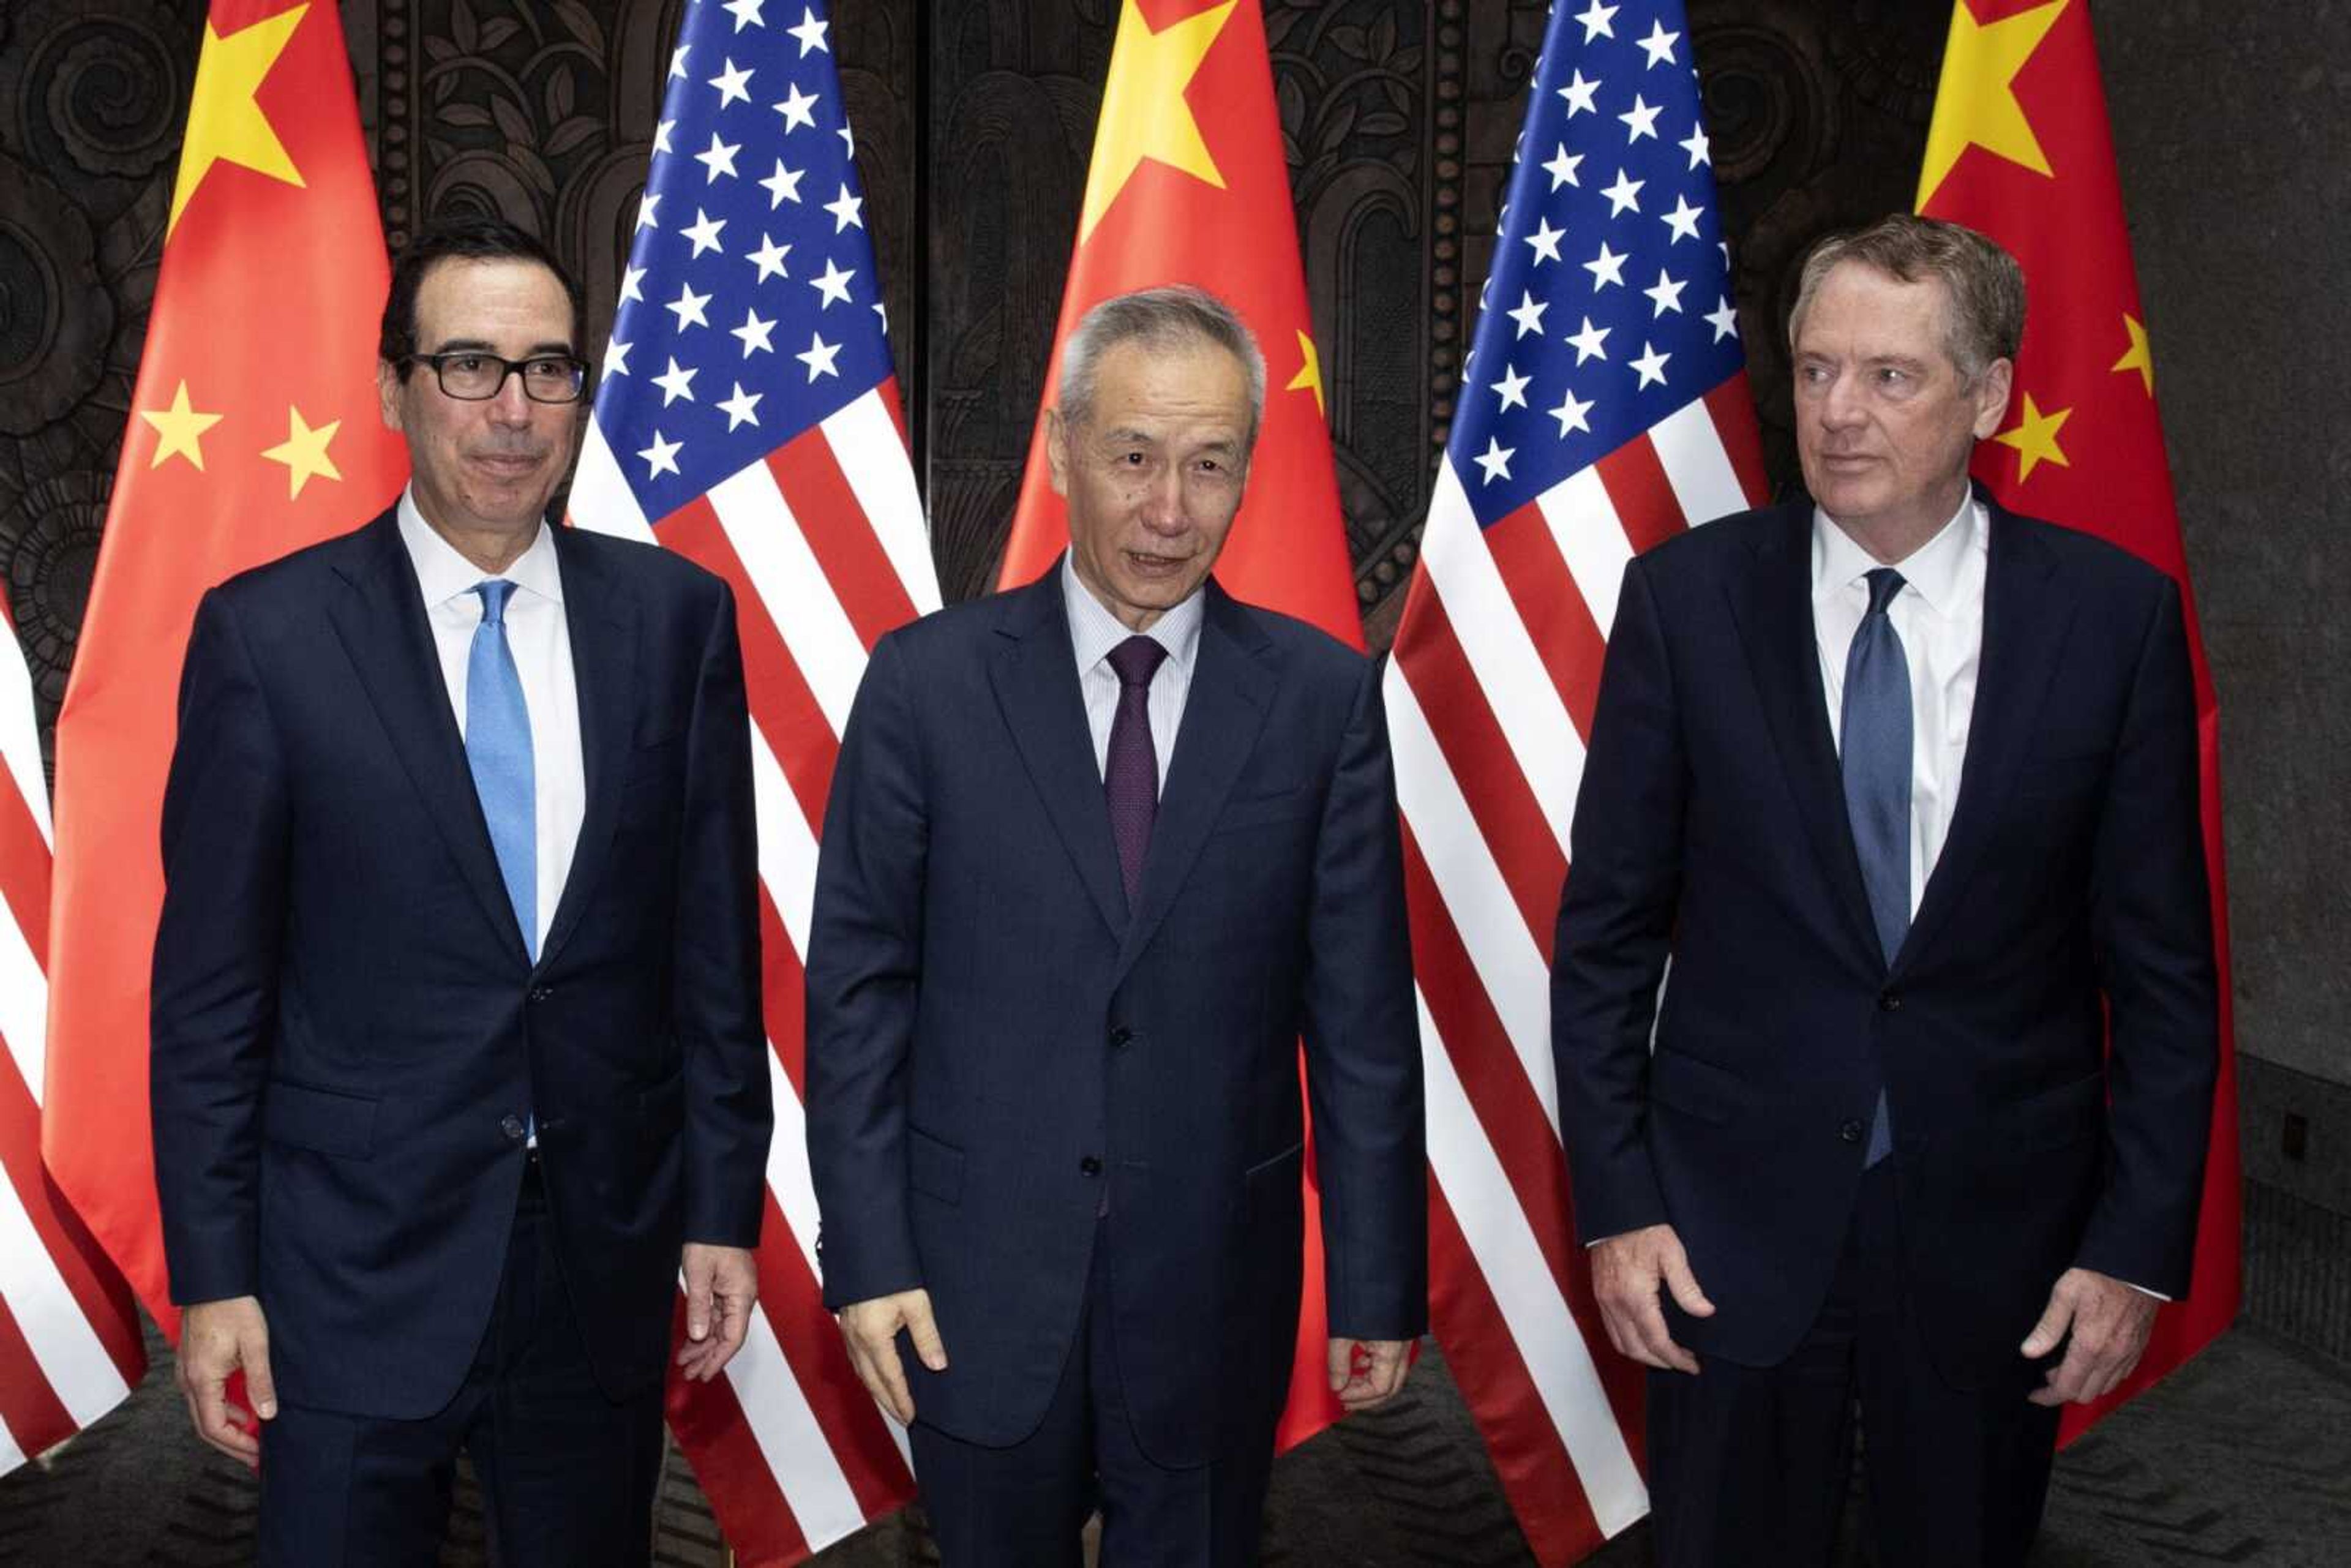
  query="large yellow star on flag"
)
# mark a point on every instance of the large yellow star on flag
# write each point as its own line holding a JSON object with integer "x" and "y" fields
{"x": 179, "y": 430}
{"x": 1309, "y": 374}
{"x": 2035, "y": 438}
{"x": 1144, "y": 114}
{"x": 2140, "y": 355}
{"x": 1975, "y": 106}
{"x": 225, "y": 125}
{"x": 304, "y": 453}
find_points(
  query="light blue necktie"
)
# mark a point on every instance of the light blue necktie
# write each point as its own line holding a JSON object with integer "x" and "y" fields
{"x": 497, "y": 748}
{"x": 1875, "y": 760}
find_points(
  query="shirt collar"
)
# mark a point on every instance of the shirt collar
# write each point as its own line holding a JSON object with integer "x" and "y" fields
{"x": 1094, "y": 631}
{"x": 445, "y": 574}
{"x": 1934, "y": 569}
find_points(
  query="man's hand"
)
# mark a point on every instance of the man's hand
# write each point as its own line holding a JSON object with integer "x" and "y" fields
{"x": 2110, "y": 1322}
{"x": 1368, "y": 1372}
{"x": 721, "y": 1283}
{"x": 1627, "y": 1271}
{"x": 872, "y": 1327}
{"x": 216, "y": 1338}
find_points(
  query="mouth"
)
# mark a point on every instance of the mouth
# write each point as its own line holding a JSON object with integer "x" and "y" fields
{"x": 509, "y": 464}
{"x": 1148, "y": 564}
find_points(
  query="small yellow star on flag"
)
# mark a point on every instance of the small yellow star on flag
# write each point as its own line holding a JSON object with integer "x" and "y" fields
{"x": 2035, "y": 438}
{"x": 225, "y": 124}
{"x": 304, "y": 453}
{"x": 1309, "y": 374}
{"x": 1144, "y": 114}
{"x": 179, "y": 430}
{"x": 2139, "y": 356}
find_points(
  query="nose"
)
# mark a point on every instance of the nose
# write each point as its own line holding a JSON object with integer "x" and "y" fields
{"x": 1840, "y": 404}
{"x": 510, "y": 406}
{"x": 1163, "y": 510}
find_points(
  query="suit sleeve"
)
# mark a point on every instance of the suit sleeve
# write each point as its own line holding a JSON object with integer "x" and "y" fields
{"x": 863, "y": 984}
{"x": 2150, "y": 922}
{"x": 1362, "y": 1047}
{"x": 1615, "y": 922}
{"x": 715, "y": 1003}
{"x": 214, "y": 997}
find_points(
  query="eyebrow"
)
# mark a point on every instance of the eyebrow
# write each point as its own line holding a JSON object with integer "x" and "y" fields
{"x": 483, "y": 345}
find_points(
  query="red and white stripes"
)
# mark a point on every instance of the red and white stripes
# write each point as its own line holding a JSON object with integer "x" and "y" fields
{"x": 1491, "y": 697}
{"x": 69, "y": 1347}
{"x": 825, "y": 546}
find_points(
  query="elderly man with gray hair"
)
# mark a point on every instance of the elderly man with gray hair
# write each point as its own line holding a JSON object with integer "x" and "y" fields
{"x": 1100, "y": 852}
{"x": 1906, "y": 785}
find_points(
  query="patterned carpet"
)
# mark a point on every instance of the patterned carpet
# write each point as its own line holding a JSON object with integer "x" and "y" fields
{"x": 2244, "y": 1458}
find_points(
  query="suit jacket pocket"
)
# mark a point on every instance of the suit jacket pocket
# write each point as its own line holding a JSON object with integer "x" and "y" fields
{"x": 1266, "y": 807}
{"x": 324, "y": 1120}
{"x": 1694, "y": 1088}
{"x": 2055, "y": 1117}
{"x": 934, "y": 1168}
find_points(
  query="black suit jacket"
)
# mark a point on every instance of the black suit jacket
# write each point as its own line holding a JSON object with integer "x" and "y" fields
{"x": 2070, "y": 888}
{"x": 995, "y": 1044}
{"x": 348, "y": 1033}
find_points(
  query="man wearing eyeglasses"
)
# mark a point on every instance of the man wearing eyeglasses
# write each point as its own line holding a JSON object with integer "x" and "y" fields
{"x": 457, "y": 1063}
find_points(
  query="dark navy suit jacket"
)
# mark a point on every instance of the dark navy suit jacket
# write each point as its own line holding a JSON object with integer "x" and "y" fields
{"x": 1712, "y": 825}
{"x": 995, "y": 1044}
{"x": 347, "y": 1032}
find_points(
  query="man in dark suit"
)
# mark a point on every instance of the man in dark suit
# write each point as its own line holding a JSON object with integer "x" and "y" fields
{"x": 1906, "y": 785}
{"x": 1099, "y": 851}
{"x": 456, "y": 1052}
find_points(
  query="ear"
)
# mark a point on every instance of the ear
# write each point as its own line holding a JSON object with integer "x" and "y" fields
{"x": 1992, "y": 390}
{"x": 387, "y": 392}
{"x": 1056, "y": 450}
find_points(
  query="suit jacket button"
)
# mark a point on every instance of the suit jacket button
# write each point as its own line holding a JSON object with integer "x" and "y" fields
{"x": 1889, "y": 1001}
{"x": 540, "y": 993}
{"x": 1851, "y": 1131}
{"x": 1122, "y": 1036}
{"x": 1090, "y": 1165}
{"x": 511, "y": 1126}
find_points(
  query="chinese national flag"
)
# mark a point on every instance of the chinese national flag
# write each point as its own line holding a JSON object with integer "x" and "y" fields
{"x": 252, "y": 430}
{"x": 1189, "y": 186}
{"x": 2019, "y": 149}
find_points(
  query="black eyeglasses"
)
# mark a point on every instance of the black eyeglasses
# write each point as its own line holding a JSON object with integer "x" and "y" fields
{"x": 476, "y": 377}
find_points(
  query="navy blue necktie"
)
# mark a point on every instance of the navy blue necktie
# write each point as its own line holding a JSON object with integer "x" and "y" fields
{"x": 497, "y": 749}
{"x": 1131, "y": 770}
{"x": 1875, "y": 755}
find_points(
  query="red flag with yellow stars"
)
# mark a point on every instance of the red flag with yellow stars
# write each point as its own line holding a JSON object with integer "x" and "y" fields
{"x": 1189, "y": 186}
{"x": 252, "y": 430}
{"x": 2019, "y": 149}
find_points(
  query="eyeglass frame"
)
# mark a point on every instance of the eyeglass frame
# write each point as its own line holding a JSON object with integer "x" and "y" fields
{"x": 507, "y": 367}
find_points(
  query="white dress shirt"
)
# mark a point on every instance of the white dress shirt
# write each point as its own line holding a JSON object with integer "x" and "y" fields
{"x": 1938, "y": 615}
{"x": 1094, "y": 632}
{"x": 541, "y": 641}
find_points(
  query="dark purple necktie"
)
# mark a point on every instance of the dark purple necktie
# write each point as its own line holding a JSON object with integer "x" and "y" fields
{"x": 1131, "y": 772}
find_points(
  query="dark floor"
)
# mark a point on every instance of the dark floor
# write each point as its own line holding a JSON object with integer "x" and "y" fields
{"x": 2245, "y": 1457}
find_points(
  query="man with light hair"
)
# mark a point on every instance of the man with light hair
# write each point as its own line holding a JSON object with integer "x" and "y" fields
{"x": 1906, "y": 786}
{"x": 1100, "y": 852}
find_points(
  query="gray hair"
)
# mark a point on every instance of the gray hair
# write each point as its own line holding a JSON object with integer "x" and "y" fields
{"x": 1983, "y": 282}
{"x": 1178, "y": 314}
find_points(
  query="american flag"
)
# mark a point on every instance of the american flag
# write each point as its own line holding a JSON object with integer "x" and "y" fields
{"x": 69, "y": 1349}
{"x": 1603, "y": 408}
{"x": 748, "y": 416}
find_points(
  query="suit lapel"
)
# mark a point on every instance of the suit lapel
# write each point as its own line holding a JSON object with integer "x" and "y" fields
{"x": 1036, "y": 679}
{"x": 1232, "y": 689}
{"x": 601, "y": 614}
{"x": 2025, "y": 623}
{"x": 1773, "y": 608}
{"x": 380, "y": 617}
